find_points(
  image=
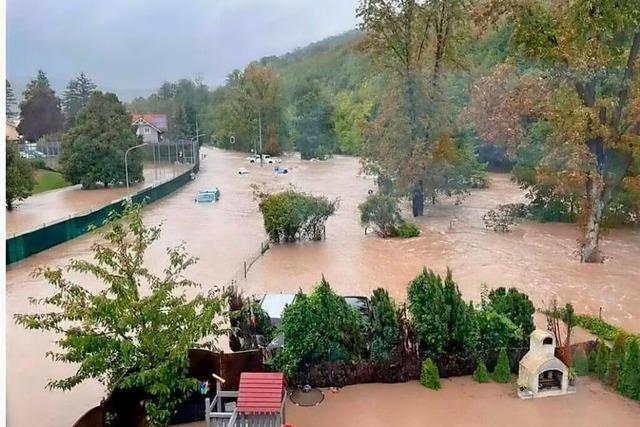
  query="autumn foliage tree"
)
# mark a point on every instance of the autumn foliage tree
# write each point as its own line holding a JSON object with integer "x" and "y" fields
{"x": 581, "y": 77}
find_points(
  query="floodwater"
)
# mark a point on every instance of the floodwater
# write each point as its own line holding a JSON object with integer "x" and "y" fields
{"x": 537, "y": 258}
{"x": 61, "y": 203}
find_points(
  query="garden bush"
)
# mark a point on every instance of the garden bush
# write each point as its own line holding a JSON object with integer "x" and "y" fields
{"x": 592, "y": 360}
{"x": 515, "y": 305}
{"x": 429, "y": 376}
{"x": 494, "y": 330}
{"x": 481, "y": 375}
{"x": 318, "y": 327}
{"x": 502, "y": 372}
{"x": 602, "y": 361}
{"x": 407, "y": 230}
{"x": 616, "y": 360}
{"x": 381, "y": 212}
{"x": 629, "y": 382}
{"x": 580, "y": 363}
{"x": 383, "y": 325}
{"x": 292, "y": 215}
{"x": 444, "y": 323}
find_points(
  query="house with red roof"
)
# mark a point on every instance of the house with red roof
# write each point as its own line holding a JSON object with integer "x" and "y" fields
{"x": 151, "y": 127}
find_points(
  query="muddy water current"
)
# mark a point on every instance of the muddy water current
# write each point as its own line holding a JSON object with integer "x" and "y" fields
{"x": 537, "y": 258}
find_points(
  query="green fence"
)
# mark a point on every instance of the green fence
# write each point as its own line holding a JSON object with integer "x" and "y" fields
{"x": 24, "y": 245}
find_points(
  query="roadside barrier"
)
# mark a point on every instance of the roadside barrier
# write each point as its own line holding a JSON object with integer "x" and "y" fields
{"x": 21, "y": 246}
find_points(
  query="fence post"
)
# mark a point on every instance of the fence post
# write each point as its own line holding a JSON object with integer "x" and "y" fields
{"x": 245, "y": 269}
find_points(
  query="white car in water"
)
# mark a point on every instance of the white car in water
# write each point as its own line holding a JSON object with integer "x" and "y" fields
{"x": 243, "y": 171}
{"x": 255, "y": 158}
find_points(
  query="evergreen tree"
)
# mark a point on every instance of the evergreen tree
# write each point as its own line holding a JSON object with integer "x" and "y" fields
{"x": 179, "y": 128}
{"x": 629, "y": 382}
{"x": 602, "y": 360}
{"x": 429, "y": 375}
{"x": 481, "y": 375}
{"x": 616, "y": 360}
{"x": 384, "y": 325}
{"x": 94, "y": 148}
{"x": 313, "y": 126}
{"x": 19, "y": 175}
{"x": 593, "y": 361}
{"x": 502, "y": 372}
{"x": 76, "y": 96}
{"x": 40, "y": 112}
{"x": 10, "y": 101}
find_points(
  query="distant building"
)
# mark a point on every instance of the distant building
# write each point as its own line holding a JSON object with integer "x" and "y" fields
{"x": 12, "y": 131}
{"x": 151, "y": 127}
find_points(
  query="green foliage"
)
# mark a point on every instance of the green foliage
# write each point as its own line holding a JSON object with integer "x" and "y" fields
{"x": 380, "y": 210}
{"x": 19, "y": 175}
{"x": 495, "y": 330}
{"x": 602, "y": 360}
{"x": 407, "y": 230}
{"x": 292, "y": 215}
{"x": 351, "y": 113}
{"x": 383, "y": 325}
{"x": 616, "y": 361}
{"x": 429, "y": 375}
{"x": 629, "y": 380}
{"x": 40, "y": 112}
{"x": 48, "y": 180}
{"x": 592, "y": 359}
{"x": 502, "y": 372}
{"x": 481, "y": 375}
{"x": 515, "y": 305}
{"x": 580, "y": 363}
{"x": 443, "y": 321}
{"x": 505, "y": 216}
{"x": 94, "y": 148}
{"x": 318, "y": 327}
{"x": 135, "y": 332}
{"x": 599, "y": 327}
{"x": 76, "y": 96}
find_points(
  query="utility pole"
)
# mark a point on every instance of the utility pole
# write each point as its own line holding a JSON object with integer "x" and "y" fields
{"x": 260, "y": 133}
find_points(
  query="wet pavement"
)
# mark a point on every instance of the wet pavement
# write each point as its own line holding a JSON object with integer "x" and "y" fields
{"x": 537, "y": 258}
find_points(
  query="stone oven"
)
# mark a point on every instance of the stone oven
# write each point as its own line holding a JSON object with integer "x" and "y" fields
{"x": 541, "y": 373}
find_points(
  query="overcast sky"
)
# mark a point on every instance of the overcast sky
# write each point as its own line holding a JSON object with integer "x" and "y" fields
{"x": 132, "y": 46}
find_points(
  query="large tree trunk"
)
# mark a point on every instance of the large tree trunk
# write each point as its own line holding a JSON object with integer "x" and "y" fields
{"x": 589, "y": 251}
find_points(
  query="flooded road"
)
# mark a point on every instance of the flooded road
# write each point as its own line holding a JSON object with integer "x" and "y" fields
{"x": 57, "y": 204}
{"x": 537, "y": 258}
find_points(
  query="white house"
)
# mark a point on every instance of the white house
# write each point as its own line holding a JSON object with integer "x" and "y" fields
{"x": 541, "y": 373}
{"x": 150, "y": 126}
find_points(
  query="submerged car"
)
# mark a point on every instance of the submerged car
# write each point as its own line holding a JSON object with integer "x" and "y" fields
{"x": 208, "y": 196}
{"x": 255, "y": 158}
{"x": 242, "y": 171}
{"x": 280, "y": 170}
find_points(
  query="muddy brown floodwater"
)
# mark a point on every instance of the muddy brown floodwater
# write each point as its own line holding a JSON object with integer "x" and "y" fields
{"x": 537, "y": 258}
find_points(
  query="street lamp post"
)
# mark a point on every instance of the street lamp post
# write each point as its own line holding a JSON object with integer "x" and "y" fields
{"x": 126, "y": 166}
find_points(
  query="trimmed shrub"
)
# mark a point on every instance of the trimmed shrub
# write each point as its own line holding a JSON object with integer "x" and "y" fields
{"x": 429, "y": 376}
{"x": 616, "y": 360}
{"x": 629, "y": 382}
{"x": 602, "y": 361}
{"x": 406, "y": 230}
{"x": 495, "y": 330}
{"x": 580, "y": 363}
{"x": 481, "y": 375}
{"x": 593, "y": 361}
{"x": 502, "y": 373}
{"x": 515, "y": 305}
{"x": 444, "y": 323}
{"x": 384, "y": 325}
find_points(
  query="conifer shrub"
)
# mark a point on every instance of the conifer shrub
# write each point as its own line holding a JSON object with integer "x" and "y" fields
{"x": 502, "y": 372}
{"x": 429, "y": 376}
{"x": 481, "y": 375}
{"x": 602, "y": 360}
{"x": 616, "y": 360}
{"x": 629, "y": 381}
{"x": 580, "y": 363}
{"x": 592, "y": 359}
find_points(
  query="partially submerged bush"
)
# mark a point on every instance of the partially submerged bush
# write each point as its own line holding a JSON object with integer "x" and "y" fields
{"x": 292, "y": 215}
{"x": 505, "y": 217}
{"x": 407, "y": 230}
{"x": 502, "y": 372}
{"x": 481, "y": 375}
{"x": 429, "y": 376}
{"x": 381, "y": 212}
